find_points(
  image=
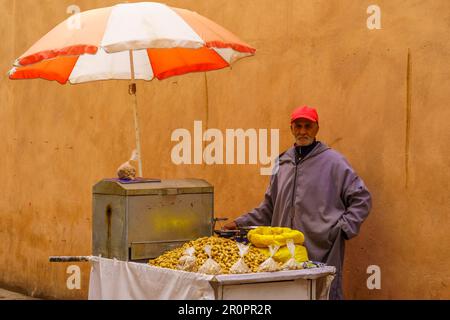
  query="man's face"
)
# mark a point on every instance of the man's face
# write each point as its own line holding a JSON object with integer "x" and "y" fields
{"x": 304, "y": 131}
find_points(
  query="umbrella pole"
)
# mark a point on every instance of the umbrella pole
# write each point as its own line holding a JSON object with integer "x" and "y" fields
{"x": 132, "y": 91}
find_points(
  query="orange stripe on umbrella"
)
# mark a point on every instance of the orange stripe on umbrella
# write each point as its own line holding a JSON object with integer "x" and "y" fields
{"x": 171, "y": 62}
{"x": 58, "y": 69}
{"x": 50, "y": 54}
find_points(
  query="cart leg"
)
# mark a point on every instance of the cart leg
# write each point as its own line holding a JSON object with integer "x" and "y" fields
{"x": 313, "y": 287}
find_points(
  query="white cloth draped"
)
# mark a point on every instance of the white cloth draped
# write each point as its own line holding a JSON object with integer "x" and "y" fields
{"x": 119, "y": 280}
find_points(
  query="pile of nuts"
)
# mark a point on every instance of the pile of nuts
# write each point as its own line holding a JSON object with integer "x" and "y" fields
{"x": 224, "y": 251}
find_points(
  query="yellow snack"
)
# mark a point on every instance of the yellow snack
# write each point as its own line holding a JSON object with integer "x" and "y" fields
{"x": 262, "y": 237}
{"x": 283, "y": 254}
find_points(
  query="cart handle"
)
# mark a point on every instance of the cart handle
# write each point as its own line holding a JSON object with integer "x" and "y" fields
{"x": 70, "y": 259}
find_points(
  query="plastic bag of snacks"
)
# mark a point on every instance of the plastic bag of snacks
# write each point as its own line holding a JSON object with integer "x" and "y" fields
{"x": 126, "y": 171}
{"x": 210, "y": 266}
{"x": 262, "y": 237}
{"x": 240, "y": 266}
{"x": 188, "y": 260}
{"x": 270, "y": 265}
{"x": 283, "y": 254}
{"x": 292, "y": 263}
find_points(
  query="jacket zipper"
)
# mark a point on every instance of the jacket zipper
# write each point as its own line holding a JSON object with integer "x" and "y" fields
{"x": 293, "y": 192}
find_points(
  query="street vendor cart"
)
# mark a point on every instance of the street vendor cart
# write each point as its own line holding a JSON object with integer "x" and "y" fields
{"x": 135, "y": 222}
{"x": 120, "y": 280}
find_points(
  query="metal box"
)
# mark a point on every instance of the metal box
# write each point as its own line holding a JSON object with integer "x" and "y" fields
{"x": 133, "y": 222}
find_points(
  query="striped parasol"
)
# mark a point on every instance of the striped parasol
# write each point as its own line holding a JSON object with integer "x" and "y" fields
{"x": 131, "y": 41}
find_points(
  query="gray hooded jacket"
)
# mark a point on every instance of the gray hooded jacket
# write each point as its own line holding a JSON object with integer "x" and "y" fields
{"x": 323, "y": 197}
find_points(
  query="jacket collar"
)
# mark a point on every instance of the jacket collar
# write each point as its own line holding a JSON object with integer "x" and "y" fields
{"x": 290, "y": 154}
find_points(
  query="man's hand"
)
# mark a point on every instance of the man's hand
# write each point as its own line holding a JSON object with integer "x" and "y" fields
{"x": 230, "y": 226}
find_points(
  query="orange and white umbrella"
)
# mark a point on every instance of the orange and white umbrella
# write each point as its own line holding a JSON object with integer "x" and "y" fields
{"x": 131, "y": 41}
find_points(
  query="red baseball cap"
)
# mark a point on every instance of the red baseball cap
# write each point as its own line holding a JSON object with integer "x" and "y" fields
{"x": 305, "y": 112}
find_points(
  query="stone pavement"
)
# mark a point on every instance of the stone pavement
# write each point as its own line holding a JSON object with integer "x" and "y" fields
{"x": 9, "y": 295}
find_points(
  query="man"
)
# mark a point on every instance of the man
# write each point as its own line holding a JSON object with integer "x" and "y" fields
{"x": 316, "y": 191}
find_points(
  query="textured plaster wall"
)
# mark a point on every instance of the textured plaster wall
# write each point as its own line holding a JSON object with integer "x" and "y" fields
{"x": 392, "y": 125}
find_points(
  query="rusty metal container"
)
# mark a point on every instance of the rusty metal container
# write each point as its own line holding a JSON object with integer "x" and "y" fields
{"x": 139, "y": 221}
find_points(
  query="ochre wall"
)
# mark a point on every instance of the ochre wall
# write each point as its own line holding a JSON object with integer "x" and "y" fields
{"x": 57, "y": 141}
